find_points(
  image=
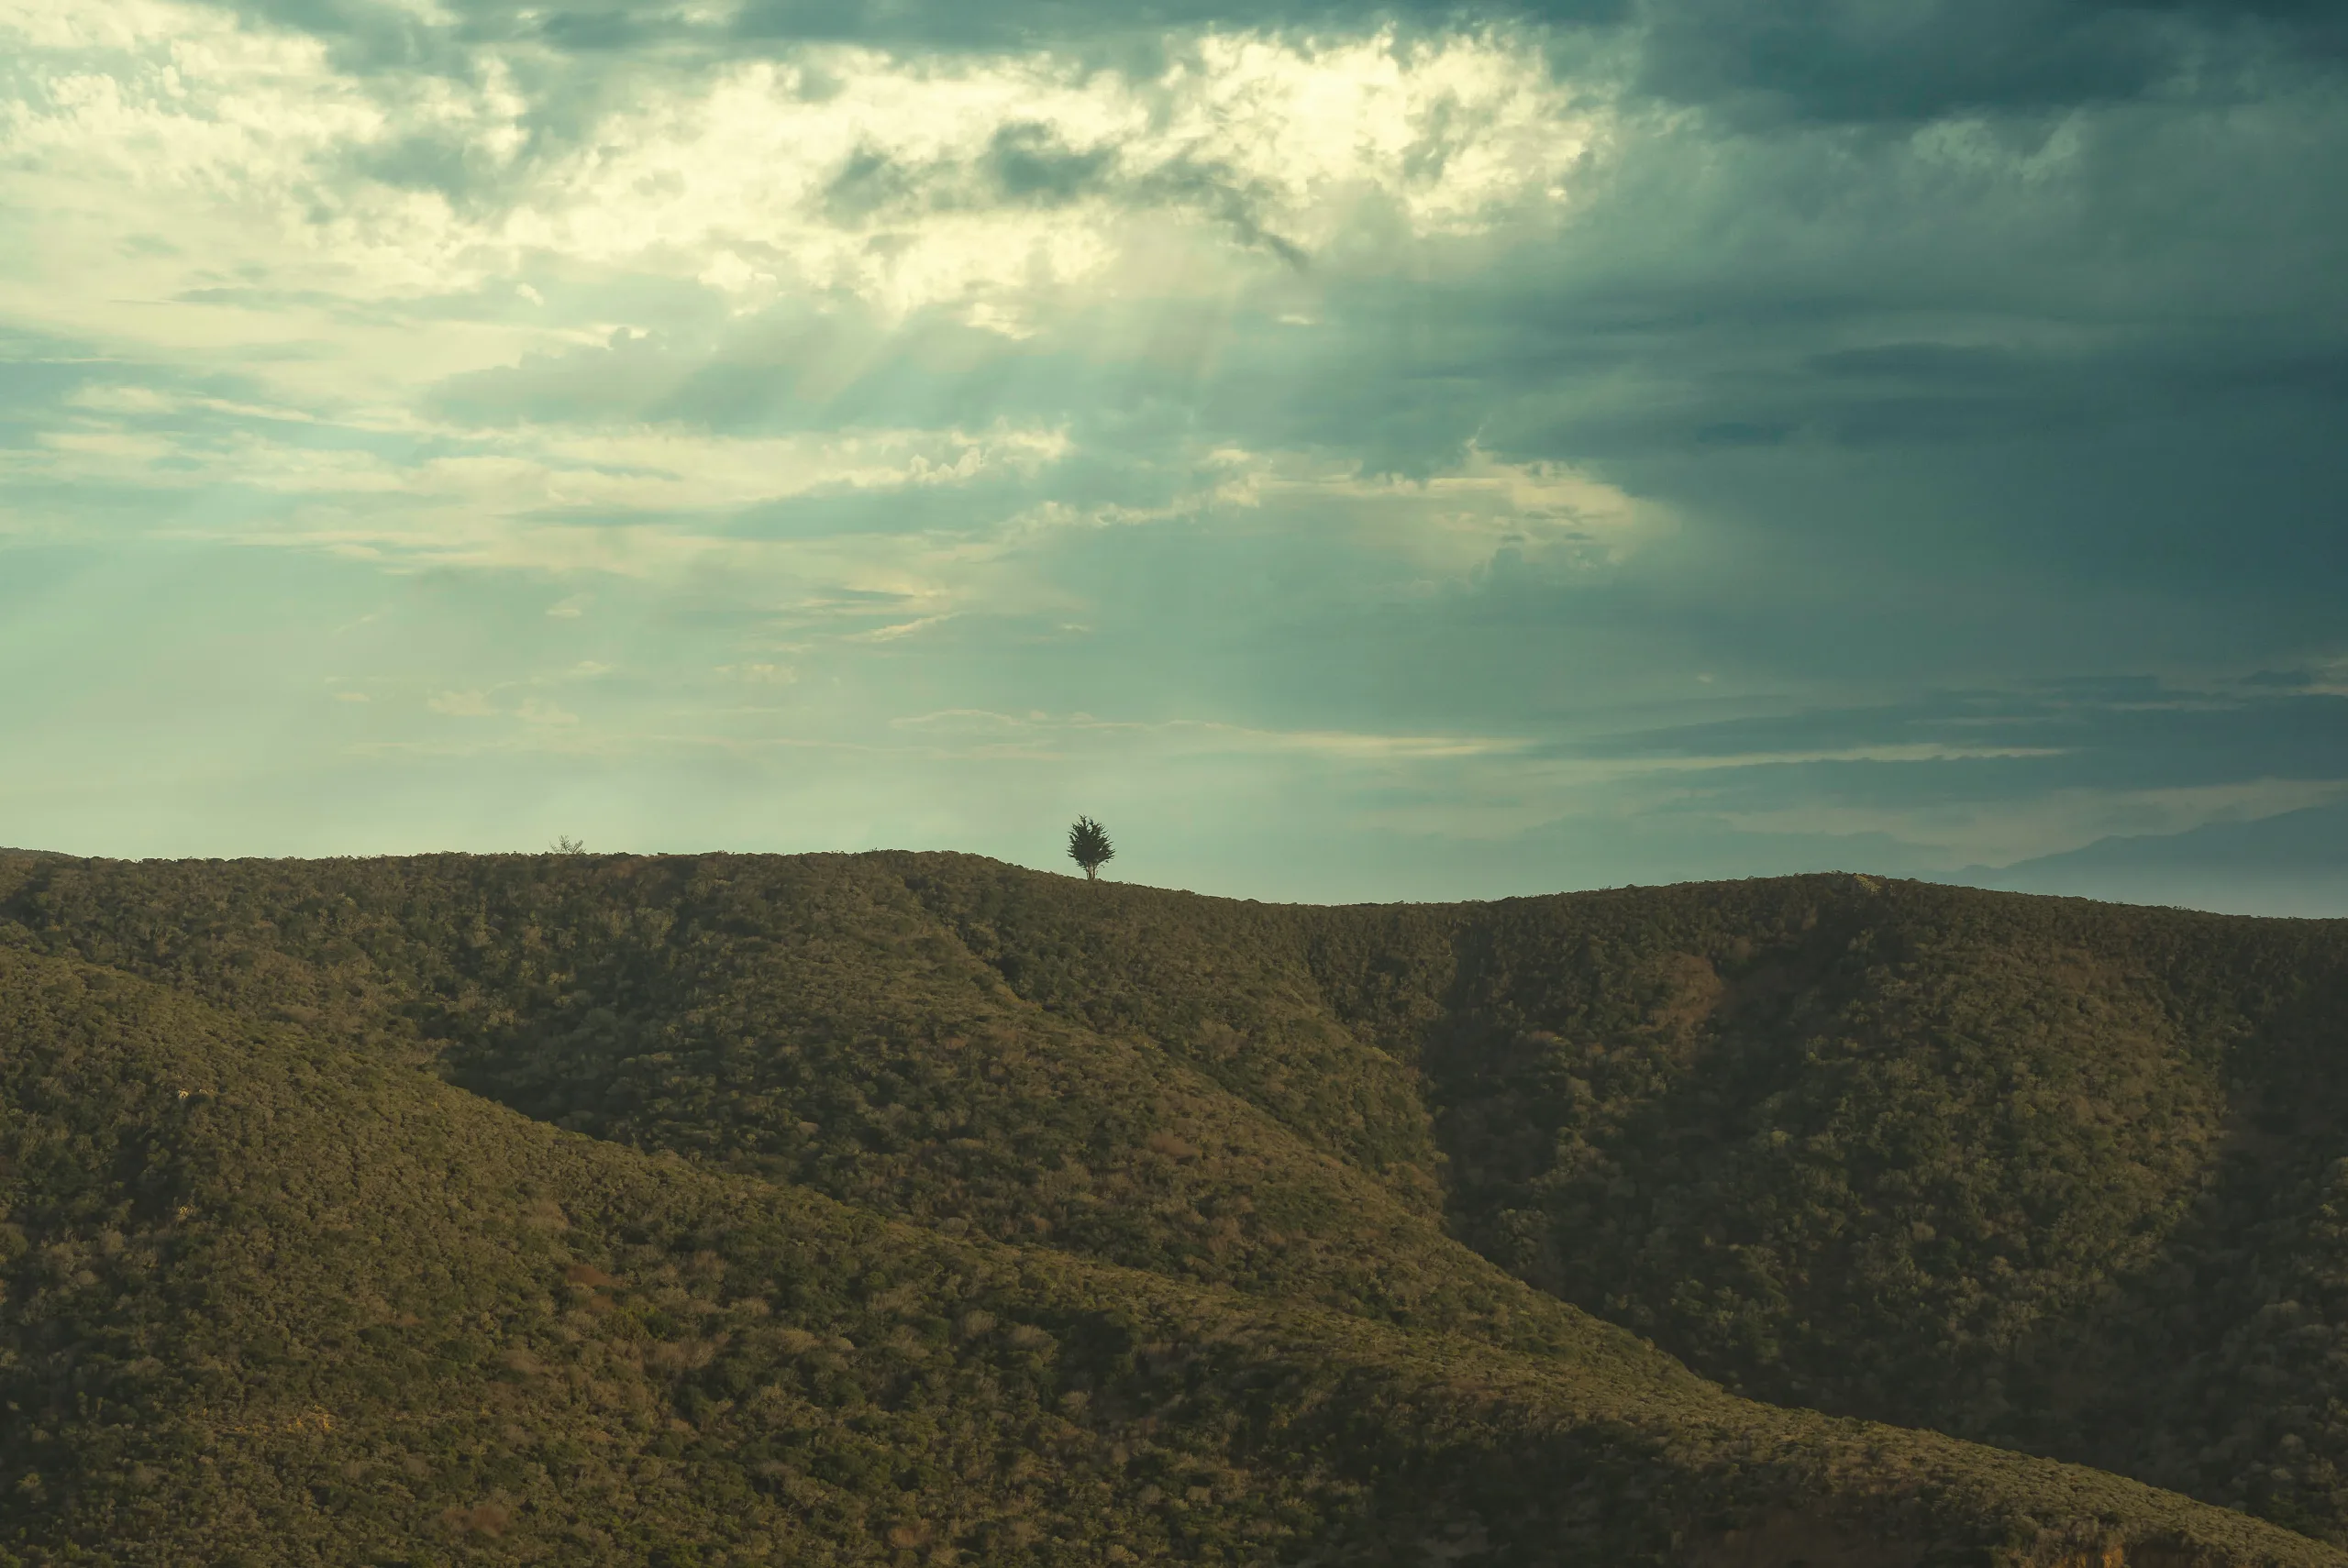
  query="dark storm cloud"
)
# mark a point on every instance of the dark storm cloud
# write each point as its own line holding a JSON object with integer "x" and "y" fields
{"x": 374, "y": 35}
{"x": 1028, "y": 165}
{"x": 1810, "y": 59}
{"x": 2093, "y": 407}
{"x": 2054, "y": 386}
{"x": 457, "y": 167}
{"x": 1820, "y": 59}
{"x": 1025, "y": 164}
{"x": 1917, "y": 410}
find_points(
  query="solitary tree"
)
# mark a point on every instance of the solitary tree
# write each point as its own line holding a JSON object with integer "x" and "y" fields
{"x": 1088, "y": 847}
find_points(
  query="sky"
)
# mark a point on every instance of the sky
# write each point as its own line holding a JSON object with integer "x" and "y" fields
{"x": 1354, "y": 454}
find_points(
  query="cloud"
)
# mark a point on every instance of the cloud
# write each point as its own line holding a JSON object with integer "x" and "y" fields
{"x": 1945, "y": 56}
{"x": 1041, "y": 733}
{"x": 2148, "y": 733}
{"x": 461, "y": 704}
{"x": 913, "y": 183}
{"x": 1594, "y": 439}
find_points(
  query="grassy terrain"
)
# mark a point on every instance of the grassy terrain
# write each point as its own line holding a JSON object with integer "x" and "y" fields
{"x": 916, "y": 1208}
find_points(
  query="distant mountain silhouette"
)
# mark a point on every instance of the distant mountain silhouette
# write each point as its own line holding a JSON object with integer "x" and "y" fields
{"x": 2294, "y": 864}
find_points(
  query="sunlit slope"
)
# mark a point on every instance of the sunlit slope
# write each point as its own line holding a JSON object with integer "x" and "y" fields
{"x": 270, "y": 1298}
{"x": 806, "y": 1019}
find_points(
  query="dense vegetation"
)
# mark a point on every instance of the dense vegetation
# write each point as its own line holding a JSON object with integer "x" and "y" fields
{"x": 2056, "y": 1175}
{"x": 920, "y": 1209}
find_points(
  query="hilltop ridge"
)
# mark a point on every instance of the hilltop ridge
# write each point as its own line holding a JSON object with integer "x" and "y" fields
{"x": 2053, "y": 1176}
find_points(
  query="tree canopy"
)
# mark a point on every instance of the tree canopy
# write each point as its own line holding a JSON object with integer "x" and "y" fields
{"x": 1088, "y": 847}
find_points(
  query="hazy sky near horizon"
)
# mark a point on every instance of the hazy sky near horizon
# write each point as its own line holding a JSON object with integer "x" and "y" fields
{"x": 1354, "y": 454}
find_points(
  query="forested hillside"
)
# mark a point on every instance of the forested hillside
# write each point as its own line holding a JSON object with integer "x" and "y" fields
{"x": 2056, "y": 1175}
{"x": 903, "y": 1208}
